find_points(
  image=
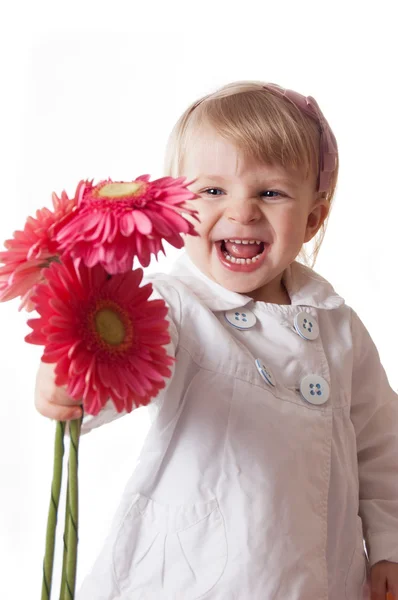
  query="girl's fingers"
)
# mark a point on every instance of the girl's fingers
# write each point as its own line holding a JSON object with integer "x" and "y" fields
{"x": 378, "y": 584}
{"x": 51, "y": 400}
{"x": 61, "y": 398}
{"x": 60, "y": 413}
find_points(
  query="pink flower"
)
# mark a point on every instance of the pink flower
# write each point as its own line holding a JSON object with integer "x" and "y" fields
{"x": 32, "y": 250}
{"x": 103, "y": 333}
{"x": 117, "y": 221}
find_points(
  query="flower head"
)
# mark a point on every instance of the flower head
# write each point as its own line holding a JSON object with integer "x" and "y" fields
{"x": 104, "y": 334}
{"x": 32, "y": 250}
{"x": 117, "y": 221}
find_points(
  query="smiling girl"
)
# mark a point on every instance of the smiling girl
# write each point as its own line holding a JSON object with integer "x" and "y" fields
{"x": 273, "y": 450}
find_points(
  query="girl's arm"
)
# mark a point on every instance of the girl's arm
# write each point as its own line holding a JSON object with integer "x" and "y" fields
{"x": 374, "y": 413}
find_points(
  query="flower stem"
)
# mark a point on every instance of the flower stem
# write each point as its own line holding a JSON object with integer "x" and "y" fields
{"x": 48, "y": 562}
{"x": 65, "y": 540}
{"x": 71, "y": 523}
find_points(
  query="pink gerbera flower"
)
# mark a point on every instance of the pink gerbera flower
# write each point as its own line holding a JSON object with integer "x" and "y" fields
{"x": 103, "y": 333}
{"x": 116, "y": 221}
{"x": 32, "y": 250}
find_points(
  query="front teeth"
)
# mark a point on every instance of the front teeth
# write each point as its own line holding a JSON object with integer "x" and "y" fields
{"x": 241, "y": 261}
{"x": 244, "y": 241}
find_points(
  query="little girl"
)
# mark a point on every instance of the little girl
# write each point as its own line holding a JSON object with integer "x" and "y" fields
{"x": 273, "y": 450}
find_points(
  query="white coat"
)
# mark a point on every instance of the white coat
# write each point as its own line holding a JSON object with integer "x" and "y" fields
{"x": 247, "y": 488}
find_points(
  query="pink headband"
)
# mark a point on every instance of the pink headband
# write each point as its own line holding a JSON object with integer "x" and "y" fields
{"x": 328, "y": 144}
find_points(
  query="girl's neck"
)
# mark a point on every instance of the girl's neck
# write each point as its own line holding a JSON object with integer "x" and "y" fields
{"x": 274, "y": 294}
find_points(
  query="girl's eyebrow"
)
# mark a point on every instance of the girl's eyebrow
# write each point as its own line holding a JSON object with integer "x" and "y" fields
{"x": 270, "y": 181}
{"x": 205, "y": 176}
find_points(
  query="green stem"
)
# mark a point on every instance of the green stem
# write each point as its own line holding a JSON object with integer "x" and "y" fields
{"x": 73, "y": 506}
{"x": 65, "y": 540}
{"x": 48, "y": 562}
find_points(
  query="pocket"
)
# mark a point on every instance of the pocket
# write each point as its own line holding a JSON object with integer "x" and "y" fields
{"x": 356, "y": 582}
{"x": 168, "y": 552}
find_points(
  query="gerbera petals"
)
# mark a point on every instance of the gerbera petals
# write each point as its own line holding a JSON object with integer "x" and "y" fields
{"x": 161, "y": 225}
{"x": 142, "y": 214}
{"x": 30, "y": 249}
{"x": 129, "y": 368}
{"x": 143, "y": 222}
{"x": 127, "y": 224}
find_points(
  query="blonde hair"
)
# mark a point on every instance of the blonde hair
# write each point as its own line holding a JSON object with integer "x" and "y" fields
{"x": 263, "y": 126}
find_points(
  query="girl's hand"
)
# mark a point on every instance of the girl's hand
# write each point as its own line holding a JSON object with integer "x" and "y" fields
{"x": 383, "y": 577}
{"x": 52, "y": 401}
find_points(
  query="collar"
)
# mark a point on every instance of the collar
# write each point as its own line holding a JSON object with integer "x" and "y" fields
{"x": 305, "y": 287}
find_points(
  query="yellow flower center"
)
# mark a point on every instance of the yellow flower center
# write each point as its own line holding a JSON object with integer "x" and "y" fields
{"x": 110, "y": 327}
{"x": 119, "y": 189}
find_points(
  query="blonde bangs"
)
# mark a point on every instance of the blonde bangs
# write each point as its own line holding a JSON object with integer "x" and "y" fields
{"x": 257, "y": 121}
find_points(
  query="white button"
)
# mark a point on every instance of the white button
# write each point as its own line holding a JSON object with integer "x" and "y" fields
{"x": 241, "y": 318}
{"x": 315, "y": 389}
{"x": 265, "y": 373}
{"x": 306, "y": 326}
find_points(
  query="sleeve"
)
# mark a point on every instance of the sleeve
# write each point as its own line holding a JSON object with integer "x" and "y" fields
{"x": 374, "y": 413}
{"x": 161, "y": 290}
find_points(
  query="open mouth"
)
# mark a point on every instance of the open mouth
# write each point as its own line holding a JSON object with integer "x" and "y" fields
{"x": 241, "y": 254}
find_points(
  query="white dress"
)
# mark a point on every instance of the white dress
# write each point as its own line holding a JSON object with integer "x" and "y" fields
{"x": 273, "y": 452}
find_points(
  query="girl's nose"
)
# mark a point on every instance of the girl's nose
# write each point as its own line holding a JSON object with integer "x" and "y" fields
{"x": 243, "y": 211}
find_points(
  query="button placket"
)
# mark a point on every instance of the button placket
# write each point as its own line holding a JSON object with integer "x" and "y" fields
{"x": 313, "y": 389}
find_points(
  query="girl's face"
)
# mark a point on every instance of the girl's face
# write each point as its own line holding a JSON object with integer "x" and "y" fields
{"x": 243, "y": 201}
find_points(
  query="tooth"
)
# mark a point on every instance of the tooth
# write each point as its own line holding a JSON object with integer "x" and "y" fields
{"x": 238, "y": 242}
{"x": 252, "y": 242}
{"x": 245, "y": 242}
{"x": 233, "y": 259}
{"x": 258, "y": 241}
{"x": 227, "y": 256}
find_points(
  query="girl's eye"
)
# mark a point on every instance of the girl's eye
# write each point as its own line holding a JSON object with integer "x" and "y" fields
{"x": 211, "y": 190}
{"x": 277, "y": 195}
{"x": 272, "y": 192}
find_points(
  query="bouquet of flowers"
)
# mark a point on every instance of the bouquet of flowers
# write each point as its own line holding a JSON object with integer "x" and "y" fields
{"x": 74, "y": 267}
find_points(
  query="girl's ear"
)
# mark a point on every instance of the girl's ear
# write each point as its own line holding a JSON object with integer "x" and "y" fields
{"x": 317, "y": 216}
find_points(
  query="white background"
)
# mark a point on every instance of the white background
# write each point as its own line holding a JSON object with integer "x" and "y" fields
{"x": 91, "y": 90}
